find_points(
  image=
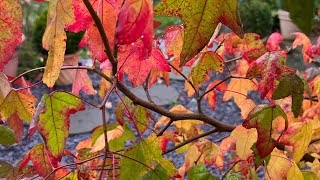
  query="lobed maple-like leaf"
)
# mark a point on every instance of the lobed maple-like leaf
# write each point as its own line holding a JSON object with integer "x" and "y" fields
{"x": 208, "y": 61}
{"x": 60, "y": 15}
{"x": 245, "y": 138}
{"x": 147, "y": 152}
{"x": 298, "y": 135}
{"x": 82, "y": 16}
{"x": 279, "y": 167}
{"x": 107, "y": 13}
{"x": 136, "y": 21}
{"x": 134, "y": 60}
{"x": 200, "y": 18}
{"x": 142, "y": 118}
{"x": 209, "y": 151}
{"x": 82, "y": 82}
{"x": 54, "y": 120}
{"x": 18, "y": 102}
{"x": 261, "y": 118}
{"x": 290, "y": 85}
{"x": 10, "y": 29}
{"x": 156, "y": 174}
{"x": 174, "y": 37}
{"x": 41, "y": 160}
{"x": 270, "y": 67}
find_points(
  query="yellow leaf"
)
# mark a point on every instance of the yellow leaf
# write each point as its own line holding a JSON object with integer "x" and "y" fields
{"x": 113, "y": 134}
{"x": 278, "y": 166}
{"x": 295, "y": 173}
{"x": 245, "y": 139}
{"x": 54, "y": 39}
{"x": 298, "y": 135}
{"x": 18, "y": 102}
{"x": 238, "y": 89}
{"x": 5, "y": 87}
{"x": 191, "y": 156}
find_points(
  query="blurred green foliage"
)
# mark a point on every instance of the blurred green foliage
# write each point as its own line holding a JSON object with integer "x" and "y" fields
{"x": 256, "y": 16}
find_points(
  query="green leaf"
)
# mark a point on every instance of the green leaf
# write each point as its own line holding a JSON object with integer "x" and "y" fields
{"x": 290, "y": 84}
{"x": 208, "y": 61}
{"x": 157, "y": 174}
{"x": 200, "y": 172}
{"x": 147, "y": 152}
{"x": 54, "y": 122}
{"x": 261, "y": 118}
{"x": 309, "y": 175}
{"x": 233, "y": 176}
{"x": 7, "y": 136}
{"x": 5, "y": 169}
{"x": 200, "y": 18}
{"x": 141, "y": 118}
{"x": 301, "y": 12}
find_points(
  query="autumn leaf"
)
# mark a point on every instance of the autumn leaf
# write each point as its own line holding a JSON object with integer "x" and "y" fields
{"x": 19, "y": 102}
{"x": 113, "y": 134}
{"x": 200, "y": 18}
{"x": 274, "y": 40}
{"x": 290, "y": 85}
{"x": 141, "y": 118}
{"x": 82, "y": 82}
{"x": 107, "y": 13}
{"x": 261, "y": 118}
{"x": 40, "y": 160}
{"x": 270, "y": 67}
{"x": 104, "y": 84}
{"x": 245, "y": 138}
{"x": 10, "y": 29}
{"x": 54, "y": 121}
{"x": 7, "y": 136}
{"x": 5, "y": 87}
{"x": 16, "y": 124}
{"x": 82, "y": 16}
{"x": 147, "y": 152}
{"x": 209, "y": 151}
{"x": 208, "y": 61}
{"x": 211, "y": 96}
{"x": 239, "y": 89}
{"x": 60, "y": 15}
{"x": 298, "y": 135}
{"x": 302, "y": 40}
{"x": 132, "y": 22}
{"x": 280, "y": 167}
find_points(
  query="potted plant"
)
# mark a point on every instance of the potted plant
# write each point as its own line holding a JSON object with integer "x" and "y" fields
{"x": 72, "y": 49}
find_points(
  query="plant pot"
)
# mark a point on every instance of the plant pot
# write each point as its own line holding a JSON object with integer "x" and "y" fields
{"x": 66, "y": 77}
{"x": 11, "y": 67}
{"x": 287, "y": 26}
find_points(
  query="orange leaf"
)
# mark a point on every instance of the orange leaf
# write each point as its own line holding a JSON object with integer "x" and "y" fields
{"x": 82, "y": 81}
{"x": 302, "y": 40}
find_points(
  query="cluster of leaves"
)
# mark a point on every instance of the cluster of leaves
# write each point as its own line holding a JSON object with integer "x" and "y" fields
{"x": 280, "y": 136}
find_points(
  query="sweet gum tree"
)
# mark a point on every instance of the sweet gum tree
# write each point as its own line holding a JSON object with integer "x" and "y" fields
{"x": 278, "y": 138}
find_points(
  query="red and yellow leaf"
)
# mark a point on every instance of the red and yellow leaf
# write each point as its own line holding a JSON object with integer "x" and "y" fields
{"x": 54, "y": 121}
{"x": 10, "y": 29}
{"x": 200, "y": 18}
{"x": 60, "y": 15}
{"x": 302, "y": 40}
{"x": 82, "y": 82}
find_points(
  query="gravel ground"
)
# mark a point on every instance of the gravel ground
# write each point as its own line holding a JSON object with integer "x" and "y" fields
{"x": 226, "y": 112}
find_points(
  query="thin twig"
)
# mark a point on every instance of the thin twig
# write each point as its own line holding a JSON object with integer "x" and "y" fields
{"x": 72, "y": 164}
{"x": 165, "y": 128}
{"x": 190, "y": 140}
{"x": 132, "y": 159}
{"x": 146, "y": 89}
{"x": 224, "y": 175}
{"x": 234, "y": 59}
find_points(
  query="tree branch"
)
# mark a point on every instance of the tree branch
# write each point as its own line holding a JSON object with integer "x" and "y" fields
{"x": 103, "y": 36}
{"x": 190, "y": 140}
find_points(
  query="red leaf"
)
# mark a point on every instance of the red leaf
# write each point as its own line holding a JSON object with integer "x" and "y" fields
{"x": 108, "y": 15}
{"x": 10, "y": 28}
{"x": 40, "y": 160}
{"x": 158, "y": 61}
{"x": 303, "y": 40}
{"x": 135, "y": 20}
{"x": 83, "y": 18}
{"x": 274, "y": 41}
{"x": 16, "y": 124}
{"x": 82, "y": 82}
